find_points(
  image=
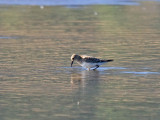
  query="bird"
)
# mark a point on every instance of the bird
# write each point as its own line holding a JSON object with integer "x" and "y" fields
{"x": 88, "y": 62}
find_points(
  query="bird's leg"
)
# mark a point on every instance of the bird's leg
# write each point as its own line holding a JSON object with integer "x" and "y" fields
{"x": 96, "y": 67}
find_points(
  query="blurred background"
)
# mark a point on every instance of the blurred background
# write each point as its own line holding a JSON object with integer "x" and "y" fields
{"x": 37, "y": 39}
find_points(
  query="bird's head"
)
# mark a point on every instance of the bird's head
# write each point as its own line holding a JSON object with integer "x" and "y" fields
{"x": 74, "y": 57}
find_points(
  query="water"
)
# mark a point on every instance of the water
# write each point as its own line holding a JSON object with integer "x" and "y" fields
{"x": 37, "y": 82}
{"x": 68, "y": 2}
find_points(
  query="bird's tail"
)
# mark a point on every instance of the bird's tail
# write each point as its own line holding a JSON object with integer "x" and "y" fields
{"x": 107, "y": 60}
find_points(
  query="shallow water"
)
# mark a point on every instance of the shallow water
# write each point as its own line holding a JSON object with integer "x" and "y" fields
{"x": 37, "y": 82}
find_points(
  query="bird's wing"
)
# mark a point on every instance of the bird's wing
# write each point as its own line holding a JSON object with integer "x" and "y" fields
{"x": 91, "y": 59}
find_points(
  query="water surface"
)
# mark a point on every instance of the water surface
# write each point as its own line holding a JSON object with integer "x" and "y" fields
{"x": 37, "y": 82}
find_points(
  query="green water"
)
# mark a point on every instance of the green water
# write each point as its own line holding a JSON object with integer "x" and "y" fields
{"x": 37, "y": 82}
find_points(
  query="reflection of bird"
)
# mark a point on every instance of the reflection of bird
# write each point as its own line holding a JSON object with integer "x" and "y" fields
{"x": 88, "y": 61}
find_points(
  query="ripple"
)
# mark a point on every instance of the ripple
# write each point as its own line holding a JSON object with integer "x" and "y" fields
{"x": 112, "y": 68}
{"x": 120, "y": 70}
{"x": 6, "y": 37}
{"x": 78, "y": 68}
{"x": 140, "y": 73}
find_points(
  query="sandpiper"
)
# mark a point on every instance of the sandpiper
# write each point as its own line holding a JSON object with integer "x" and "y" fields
{"x": 88, "y": 61}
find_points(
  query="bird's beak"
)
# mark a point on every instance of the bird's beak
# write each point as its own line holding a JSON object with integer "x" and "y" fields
{"x": 72, "y": 63}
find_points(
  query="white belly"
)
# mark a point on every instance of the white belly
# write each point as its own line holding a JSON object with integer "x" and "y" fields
{"x": 90, "y": 65}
